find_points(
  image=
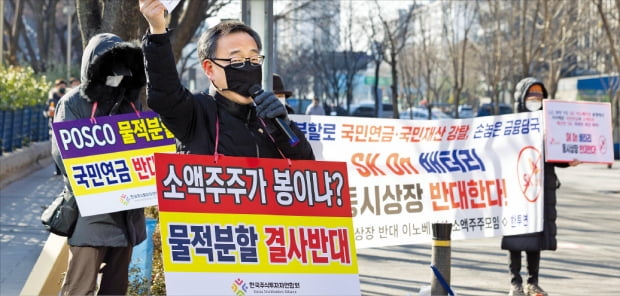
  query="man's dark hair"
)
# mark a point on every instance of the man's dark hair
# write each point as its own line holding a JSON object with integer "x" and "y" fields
{"x": 208, "y": 40}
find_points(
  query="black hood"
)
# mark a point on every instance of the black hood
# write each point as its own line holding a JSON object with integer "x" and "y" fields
{"x": 104, "y": 55}
{"x": 521, "y": 90}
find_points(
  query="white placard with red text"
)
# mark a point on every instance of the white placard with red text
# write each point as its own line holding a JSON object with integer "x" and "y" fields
{"x": 578, "y": 130}
{"x": 251, "y": 226}
{"x": 483, "y": 175}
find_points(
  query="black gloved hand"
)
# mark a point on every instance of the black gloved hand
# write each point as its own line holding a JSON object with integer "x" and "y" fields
{"x": 268, "y": 106}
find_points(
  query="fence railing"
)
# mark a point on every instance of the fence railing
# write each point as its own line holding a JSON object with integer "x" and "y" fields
{"x": 20, "y": 127}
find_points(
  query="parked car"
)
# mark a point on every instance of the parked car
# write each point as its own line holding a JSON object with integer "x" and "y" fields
{"x": 420, "y": 113}
{"x": 488, "y": 109}
{"x": 368, "y": 110}
{"x": 335, "y": 110}
{"x": 465, "y": 111}
{"x": 298, "y": 105}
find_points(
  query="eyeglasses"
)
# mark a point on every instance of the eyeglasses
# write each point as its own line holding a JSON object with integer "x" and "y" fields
{"x": 255, "y": 61}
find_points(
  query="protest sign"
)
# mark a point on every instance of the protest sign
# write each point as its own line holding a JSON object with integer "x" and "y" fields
{"x": 110, "y": 163}
{"x": 249, "y": 226}
{"x": 170, "y": 4}
{"x": 483, "y": 175}
{"x": 578, "y": 130}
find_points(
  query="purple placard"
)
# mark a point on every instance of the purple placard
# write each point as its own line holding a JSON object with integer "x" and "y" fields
{"x": 123, "y": 132}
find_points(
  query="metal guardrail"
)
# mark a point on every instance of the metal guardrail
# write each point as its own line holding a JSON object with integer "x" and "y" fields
{"x": 22, "y": 126}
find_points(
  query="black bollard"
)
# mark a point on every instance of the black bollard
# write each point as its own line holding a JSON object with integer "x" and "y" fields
{"x": 440, "y": 261}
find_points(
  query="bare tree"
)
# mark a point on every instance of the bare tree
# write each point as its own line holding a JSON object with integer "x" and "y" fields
{"x": 491, "y": 47}
{"x": 559, "y": 35}
{"x": 334, "y": 61}
{"x": 336, "y": 69}
{"x": 409, "y": 83}
{"x": 119, "y": 17}
{"x": 47, "y": 36}
{"x": 124, "y": 19}
{"x": 14, "y": 28}
{"x": 458, "y": 42}
{"x": 353, "y": 61}
{"x": 610, "y": 19}
{"x": 302, "y": 52}
{"x": 608, "y": 26}
{"x": 325, "y": 58}
{"x": 40, "y": 41}
{"x": 530, "y": 47}
{"x": 430, "y": 66}
{"x": 377, "y": 50}
{"x": 326, "y": 74}
{"x": 188, "y": 18}
{"x": 287, "y": 16}
{"x": 291, "y": 53}
{"x": 296, "y": 72}
{"x": 35, "y": 33}
{"x": 396, "y": 34}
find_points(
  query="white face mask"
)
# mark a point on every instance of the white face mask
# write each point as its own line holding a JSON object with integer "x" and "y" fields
{"x": 113, "y": 81}
{"x": 533, "y": 105}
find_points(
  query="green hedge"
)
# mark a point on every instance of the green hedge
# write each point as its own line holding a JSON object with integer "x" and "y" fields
{"x": 20, "y": 87}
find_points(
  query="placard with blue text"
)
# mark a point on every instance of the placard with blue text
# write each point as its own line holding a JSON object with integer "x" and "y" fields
{"x": 109, "y": 162}
{"x": 483, "y": 175}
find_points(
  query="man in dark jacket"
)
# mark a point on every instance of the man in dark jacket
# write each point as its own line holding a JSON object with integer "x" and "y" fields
{"x": 233, "y": 119}
{"x": 112, "y": 77}
{"x": 529, "y": 94}
{"x": 59, "y": 89}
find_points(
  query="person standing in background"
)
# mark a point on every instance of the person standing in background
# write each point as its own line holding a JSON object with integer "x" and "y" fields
{"x": 529, "y": 93}
{"x": 58, "y": 90}
{"x": 315, "y": 108}
{"x": 74, "y": 82}
{"x": 281, "y": 93}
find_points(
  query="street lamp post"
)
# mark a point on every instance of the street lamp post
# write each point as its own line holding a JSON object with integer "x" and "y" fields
{"x": 2, "y": 30}
{"x": 69, "y": 10}
{"x": 258, "y": 14}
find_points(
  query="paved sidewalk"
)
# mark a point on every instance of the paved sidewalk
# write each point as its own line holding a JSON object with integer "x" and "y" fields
{"x": 23, "y": 161}
{"x": 22, "y": 235}
{"x": 586, "y": 262}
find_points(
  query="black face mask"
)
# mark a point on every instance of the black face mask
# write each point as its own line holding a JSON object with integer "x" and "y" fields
{"x": 240, "y": 80}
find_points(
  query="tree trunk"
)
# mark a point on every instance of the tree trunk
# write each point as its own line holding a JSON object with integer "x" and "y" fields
{"x": 375, "y": 87}
{"x": 89, "y": 18}
{"x": 394, "y": 85}
{"x": 192, "y": 17}
{"x": 122, "y": 18}
{"x": 14, "y": 33}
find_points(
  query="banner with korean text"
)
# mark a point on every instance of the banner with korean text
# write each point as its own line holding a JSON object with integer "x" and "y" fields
{"x": 110, "y": 162}
{"x": 483, "y": 175}
{"x": 578, "y": 130}
{"x": 252, "y": 226}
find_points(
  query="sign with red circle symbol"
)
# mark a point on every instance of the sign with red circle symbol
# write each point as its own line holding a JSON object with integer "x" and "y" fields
{"x": 602, "y": 144}
{"x": 530, "y": 172}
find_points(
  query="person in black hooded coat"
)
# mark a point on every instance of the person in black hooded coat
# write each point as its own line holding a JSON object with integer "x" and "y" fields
{"x": 529, "y": 94}
{"x": 112, "y": 75}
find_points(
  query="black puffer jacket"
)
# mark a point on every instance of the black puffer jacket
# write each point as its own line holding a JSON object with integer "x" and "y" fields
{"x": 196, "y": 119}
{"x": 544, "y": 240}
{"x": 102, "y": 55}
